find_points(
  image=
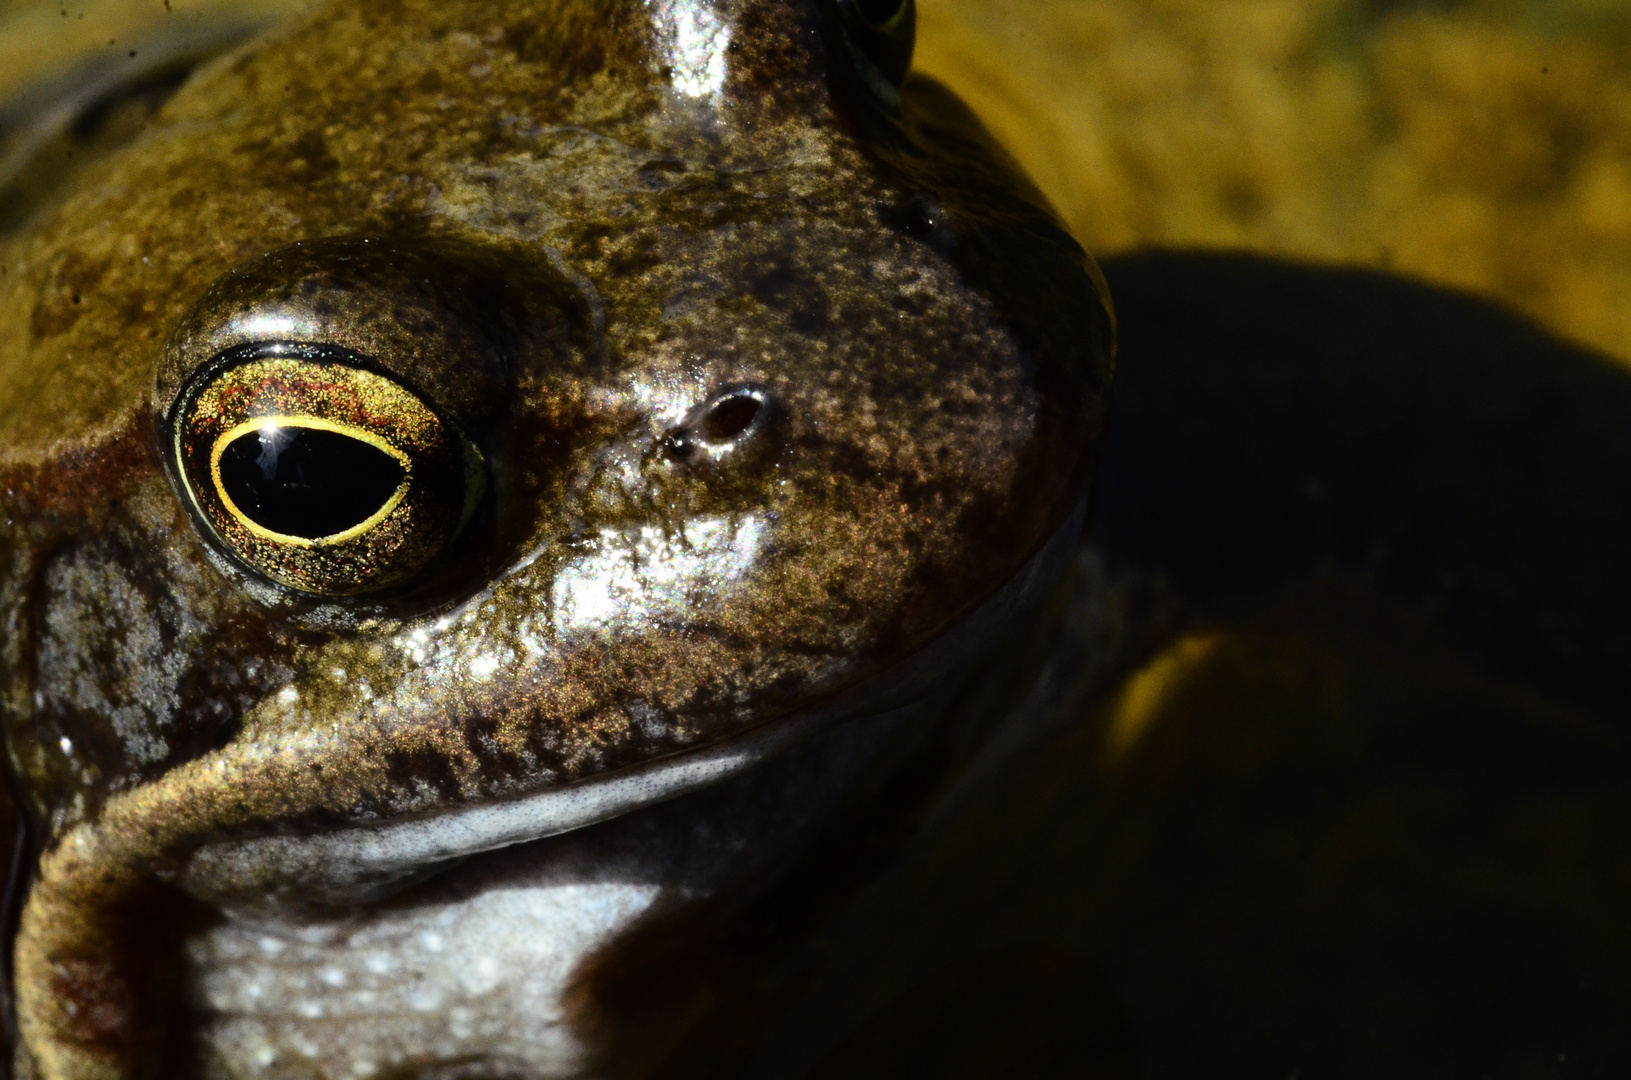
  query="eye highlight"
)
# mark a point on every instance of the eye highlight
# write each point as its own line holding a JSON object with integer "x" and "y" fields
{"x": 319, "y": 473}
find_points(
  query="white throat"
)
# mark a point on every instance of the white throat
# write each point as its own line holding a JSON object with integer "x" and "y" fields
{"x": 472, "y": 975}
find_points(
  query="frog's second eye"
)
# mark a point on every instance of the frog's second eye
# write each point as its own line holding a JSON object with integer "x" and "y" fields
{"x": 321, "y": 474}
{"x": 880, "y": 14}
{"x": 880, "y": 35}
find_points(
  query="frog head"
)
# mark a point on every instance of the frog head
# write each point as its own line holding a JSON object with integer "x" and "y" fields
{"x": 452, "y": 423}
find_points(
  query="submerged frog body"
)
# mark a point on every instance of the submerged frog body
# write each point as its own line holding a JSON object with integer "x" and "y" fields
{"x": 449, "y": 426}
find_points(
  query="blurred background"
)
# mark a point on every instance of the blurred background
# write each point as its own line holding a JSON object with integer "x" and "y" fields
{"x": 1480, "y": 144}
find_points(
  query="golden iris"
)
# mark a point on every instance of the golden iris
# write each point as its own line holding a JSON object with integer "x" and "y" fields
{"x": 322, "y": 475}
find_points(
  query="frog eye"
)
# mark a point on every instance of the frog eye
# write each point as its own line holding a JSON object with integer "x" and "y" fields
{"x": 880, "y": 35}
{"x": 319, "y": 473}
{"x": 881, "y": 14}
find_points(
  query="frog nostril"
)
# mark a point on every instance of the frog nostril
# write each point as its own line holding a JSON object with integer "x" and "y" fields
{"x": 729, "y": 418}
{"x": 723, "y": 426}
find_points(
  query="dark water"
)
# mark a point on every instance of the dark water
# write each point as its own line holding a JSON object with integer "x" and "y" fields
{"x": 1389, "y": 831}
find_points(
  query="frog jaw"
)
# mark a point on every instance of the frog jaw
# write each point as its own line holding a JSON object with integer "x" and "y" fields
{"x": 72, "y": 942}
{"x": 364, "y": 863}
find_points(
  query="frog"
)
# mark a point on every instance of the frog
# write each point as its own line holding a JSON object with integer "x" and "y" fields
{"x": 1283, "y": 689}
{"x": 483, "y": 478}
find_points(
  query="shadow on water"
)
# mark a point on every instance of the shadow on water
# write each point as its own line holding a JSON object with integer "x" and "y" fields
{"x": 1379, "y": 822}
{"x": 1276, "y": 421}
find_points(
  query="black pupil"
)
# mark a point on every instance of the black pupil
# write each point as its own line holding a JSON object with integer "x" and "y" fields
{"x": 307, "y": 482}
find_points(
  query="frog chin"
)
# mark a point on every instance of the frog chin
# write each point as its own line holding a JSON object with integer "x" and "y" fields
{"x": 370, "y": 862}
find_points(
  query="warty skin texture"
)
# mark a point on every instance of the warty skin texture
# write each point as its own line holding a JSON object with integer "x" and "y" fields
{"x": 572, "y": 243}
{"x": 1315, "y": 759}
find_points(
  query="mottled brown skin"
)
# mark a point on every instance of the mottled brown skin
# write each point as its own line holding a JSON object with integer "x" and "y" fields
{"x": 593, "y": 245}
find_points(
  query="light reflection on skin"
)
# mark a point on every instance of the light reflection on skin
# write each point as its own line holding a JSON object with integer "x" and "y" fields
{"x": 630, "y": 577}
{"x": 264, "y": 327}
{"x": 668, "y": 400}
{"x": 640, "y": 573}
{"x": 693, "y": 40}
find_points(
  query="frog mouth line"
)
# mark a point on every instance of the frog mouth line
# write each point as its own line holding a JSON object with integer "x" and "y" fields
{"x": 370, "y": 862}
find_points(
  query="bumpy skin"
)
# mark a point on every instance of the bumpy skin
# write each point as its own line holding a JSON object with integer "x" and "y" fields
{"x": 570, "y": 234}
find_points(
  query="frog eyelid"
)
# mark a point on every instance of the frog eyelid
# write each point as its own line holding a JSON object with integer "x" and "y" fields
{"x": 316, "y": 424}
